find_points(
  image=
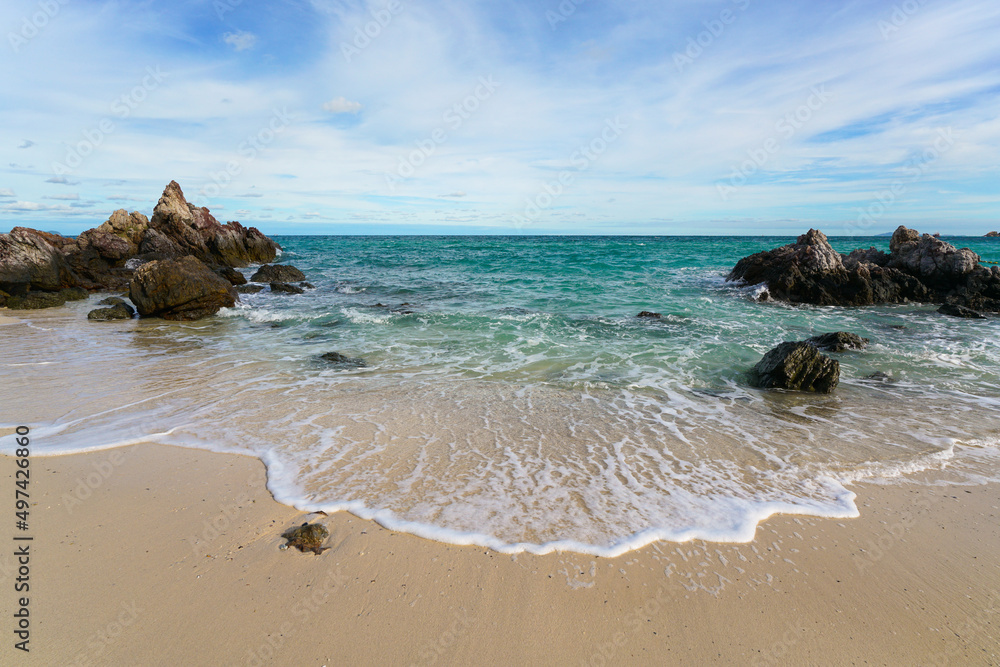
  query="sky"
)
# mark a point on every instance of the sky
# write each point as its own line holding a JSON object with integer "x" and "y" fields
{"x": 506, "y": 116}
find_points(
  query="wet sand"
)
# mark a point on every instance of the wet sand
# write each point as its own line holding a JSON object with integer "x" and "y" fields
{"x": 154, "y": 555}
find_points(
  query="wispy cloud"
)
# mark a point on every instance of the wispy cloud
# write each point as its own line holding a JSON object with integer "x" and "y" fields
{"x": 7, "y": 192}
{"x": 240, "y": 40}
{"x": 341, "y": 105}
{"x": 27, "y": 143}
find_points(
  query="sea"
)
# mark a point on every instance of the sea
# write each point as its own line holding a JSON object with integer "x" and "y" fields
{"x": 502, "y": 392}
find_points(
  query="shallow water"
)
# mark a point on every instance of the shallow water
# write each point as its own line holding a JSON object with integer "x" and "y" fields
{"x": 512, "y": 399}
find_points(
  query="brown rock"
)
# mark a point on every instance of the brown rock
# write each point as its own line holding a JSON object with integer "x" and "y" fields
{"x": 28, "y": 260}
{"x": 179, "y": 289}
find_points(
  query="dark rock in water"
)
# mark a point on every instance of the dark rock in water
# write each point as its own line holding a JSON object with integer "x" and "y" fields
{"x": 919, "y": 268}
{"x": 121, "y": 311}
{"x": 307, "y": 537}
{"x": 798, "y": 366}
{"x": 307, "y": 285}
{"x": 960, "y": 311}
{"x": 36, "y": 300}
{"x": 650, "y": 315}
{"x": 112, "y": 301}
{"x": 232, "y": 275}
{"x": 179, "y": 289}
{"x": 839, "y": 341}
{"x": 277, "y": 273}
{"x": 879, "y": 376}
{"x": 286, "y": 288}
{"x": 249, "y": 289}
{"x": 338, "y": 359}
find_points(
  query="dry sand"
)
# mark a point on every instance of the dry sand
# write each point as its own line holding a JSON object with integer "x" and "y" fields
{"x": 152, "y": 555}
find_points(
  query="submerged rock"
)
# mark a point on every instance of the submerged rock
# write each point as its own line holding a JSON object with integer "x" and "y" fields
{"x": 286, "y": 288}
{"x": 839, "y": 341}
{"x": 338, "y": 359}
{"x": 249, "y": 289}
{"x": 799, "y": 366}
{"x": 650, "y": 315}
{"x": 121, "y": 311}
{"x": 35, "y": 300}
{"x": 277, "y": 273}
{"x": 960, "y": 311}
{"x": 179, "y": 289}
{"x": 307, "y": 537}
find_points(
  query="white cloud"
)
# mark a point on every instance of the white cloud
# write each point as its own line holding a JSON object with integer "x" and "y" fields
{"x": 61, "y": 180}
{"x": 240, "y": 40}
{"x": 71, "y": 197}
{"x": 455, "y": 195}
{"x": 7, "y": 192}
{"x": 342, "y": 105}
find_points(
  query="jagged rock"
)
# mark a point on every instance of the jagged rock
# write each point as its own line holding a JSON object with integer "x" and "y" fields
{"x": 930, "y": 259}
{"x": 232, "y": 275}
{"x": 338, "y": 359}
{"x": 30, "y": 261}
{"x": 198, "y": 233}
{"x": 839, "y": 341}
{"x": 277, "y": 273}
{"x": 992, "y": 234}
{"x": 36, "y": 300}
{"x": 155, "y": 244}
{"x": 179, "y": 289}
{"x": 285, "y": 288}
{"x": 650, "y": 315}
{"x": 918, "y": 268}
{"x": 307, "y": 285}
{"x": 307, "y": 537}
{"x": 799, "y": 366}
{"x": 130, "y": 227}
{"x": 249, "y": 289}
{"x": 120, "y": 311}
{"x": 960, "y": 311}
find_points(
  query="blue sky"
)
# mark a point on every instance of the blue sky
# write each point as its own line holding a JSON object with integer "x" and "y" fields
{"x": 580, "y": 116}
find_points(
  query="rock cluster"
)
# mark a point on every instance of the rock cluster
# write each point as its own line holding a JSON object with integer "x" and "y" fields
{"x": 800, "y": 366}
{"x": 179, "y": 289}
{"x": 918, "y": 268}
{"x": 36, "y": 268}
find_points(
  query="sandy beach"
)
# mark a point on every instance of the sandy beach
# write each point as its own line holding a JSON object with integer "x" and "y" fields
{"x": 154, "y": 555}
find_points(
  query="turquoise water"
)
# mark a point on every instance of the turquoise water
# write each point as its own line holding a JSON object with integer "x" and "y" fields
{"x": 510, "y": 397}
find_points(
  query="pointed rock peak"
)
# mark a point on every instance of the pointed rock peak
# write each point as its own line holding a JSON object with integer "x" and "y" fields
{"x": 902, "y": 236}
{"x": 813, "y": 237}
{"x": 172, "y": 205}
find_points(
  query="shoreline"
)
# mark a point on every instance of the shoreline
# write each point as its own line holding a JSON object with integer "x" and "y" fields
{"x": 153, "y": 554}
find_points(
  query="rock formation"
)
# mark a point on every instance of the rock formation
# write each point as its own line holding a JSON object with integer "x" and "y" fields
{"x": 798, "y": 366}
{"x": 179, "y": 289}
{"x": 918, "y": 268}
{"x": 105, "y": 258}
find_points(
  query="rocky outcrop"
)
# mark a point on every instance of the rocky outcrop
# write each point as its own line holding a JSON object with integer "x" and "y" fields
{"x": 106, "y": 257}
{"x": 798, "y": 366}
{"x": 277, "y": 273}
{"x": 31, "y": 260}
{"x": 179, "y": 289}
{"x": 919, "y": 268}
{"x": 232, "y": 275}
{"x": 992, "y": 235}
{"x": 839, "y": 341}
